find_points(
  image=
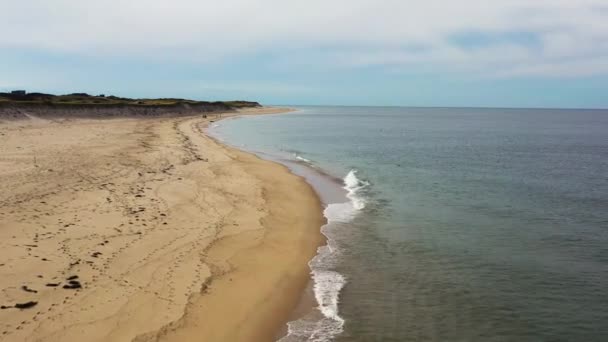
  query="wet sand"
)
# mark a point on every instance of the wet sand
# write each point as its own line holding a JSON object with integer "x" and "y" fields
{"x": 147, "y": 230}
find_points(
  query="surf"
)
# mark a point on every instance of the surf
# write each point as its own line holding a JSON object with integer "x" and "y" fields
{"x": 328, "y": 283}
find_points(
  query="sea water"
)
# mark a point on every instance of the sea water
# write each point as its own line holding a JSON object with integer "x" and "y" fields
{"x": 454, "y": 224}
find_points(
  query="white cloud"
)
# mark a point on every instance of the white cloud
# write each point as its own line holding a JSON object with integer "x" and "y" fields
{"x": 575, "y": 68}
{"x": 573, "y": 35}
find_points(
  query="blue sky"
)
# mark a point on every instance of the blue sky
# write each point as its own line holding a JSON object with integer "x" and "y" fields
{"x": 511, "y": 53}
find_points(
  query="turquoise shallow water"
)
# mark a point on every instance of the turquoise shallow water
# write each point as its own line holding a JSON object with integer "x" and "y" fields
{"x": 474, "y": 225}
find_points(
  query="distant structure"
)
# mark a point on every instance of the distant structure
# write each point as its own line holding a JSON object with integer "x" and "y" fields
{"x": 18, "y": 92}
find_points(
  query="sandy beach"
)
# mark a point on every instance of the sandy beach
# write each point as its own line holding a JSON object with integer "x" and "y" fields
{"x": 147, "y": 230}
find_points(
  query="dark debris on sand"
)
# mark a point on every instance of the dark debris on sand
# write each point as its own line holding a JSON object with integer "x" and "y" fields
{"x": 72, "y": 285}
{"x": 20, "y": 306}
{"x": 25, "y": 305}
{"x": 27, "y": 289}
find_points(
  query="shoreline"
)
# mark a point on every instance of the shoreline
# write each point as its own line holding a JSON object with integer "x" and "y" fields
{"x": 145, "y": 221}
{"x": 320, "y": 182}
{"x": 276, "y": 314}
{"x": 318, "y": 311}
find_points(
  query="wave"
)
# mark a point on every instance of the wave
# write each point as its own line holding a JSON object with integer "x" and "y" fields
{"x": 354, "y": 186}
{"x": 327, "y": 282}
{"x": 297, "y": 155}
{"x": 302, "y": 159}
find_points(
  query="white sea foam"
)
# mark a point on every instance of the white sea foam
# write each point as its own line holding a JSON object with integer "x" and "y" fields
{"x": 328, "y": 285}
{"x": 340, "y": 212}
{"x": 300, "y": 158}
{"x": 354, "y": 186}
{"x": 327, "y": 282}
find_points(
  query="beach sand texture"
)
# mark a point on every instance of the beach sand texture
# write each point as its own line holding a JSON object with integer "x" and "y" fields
{"x": 147, "y": 230}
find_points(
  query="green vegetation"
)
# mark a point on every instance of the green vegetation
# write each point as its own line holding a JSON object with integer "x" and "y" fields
{"x": 81, "y": 99}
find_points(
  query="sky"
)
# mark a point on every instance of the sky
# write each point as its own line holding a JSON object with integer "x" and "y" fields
{"x": 493, "y": 53}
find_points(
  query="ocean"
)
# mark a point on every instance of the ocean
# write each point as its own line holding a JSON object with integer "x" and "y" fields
{"x": 449, "y": 224}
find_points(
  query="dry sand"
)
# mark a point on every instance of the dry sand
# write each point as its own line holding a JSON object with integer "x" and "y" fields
{"x": 171, "y": 236}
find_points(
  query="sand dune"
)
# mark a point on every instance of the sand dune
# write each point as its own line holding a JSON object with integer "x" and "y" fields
{"x": 146, "y": 229}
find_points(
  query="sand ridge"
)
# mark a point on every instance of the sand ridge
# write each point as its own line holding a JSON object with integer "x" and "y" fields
{"x": 146, "y": 229}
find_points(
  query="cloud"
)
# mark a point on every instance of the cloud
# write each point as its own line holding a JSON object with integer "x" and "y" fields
{"x": 252, "y": 87}
{"x": 508, "y": 38}
{"x": 576, "y": 68}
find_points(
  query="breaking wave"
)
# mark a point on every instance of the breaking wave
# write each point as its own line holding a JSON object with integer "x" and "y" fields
{"x": 326, "y": 323}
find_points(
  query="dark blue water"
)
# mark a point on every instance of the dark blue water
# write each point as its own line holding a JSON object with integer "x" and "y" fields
{"x": 477, "y": 224}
